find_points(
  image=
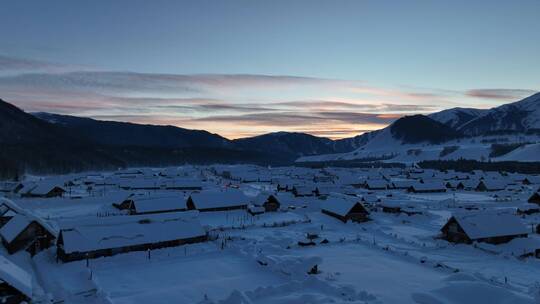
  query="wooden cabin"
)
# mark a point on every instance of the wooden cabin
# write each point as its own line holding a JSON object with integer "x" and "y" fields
{"x": 15, "y": 283}
{"x": 535, "y": 198}
{"x": 483, "y": 227}
{"x": 427, "y": 187}
{"x": 345, "y": 210}
{"x": 376, "y": 184}
{"x": 491, "y": 185}
{"x": 305, "y": 191}
{"x": 205, "y": 201}
{"x": 44, "y": 190}
{"x": 22, "y": 232}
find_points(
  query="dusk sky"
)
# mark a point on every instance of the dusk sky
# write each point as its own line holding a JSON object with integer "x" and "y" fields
{"x": 242, "y": 68}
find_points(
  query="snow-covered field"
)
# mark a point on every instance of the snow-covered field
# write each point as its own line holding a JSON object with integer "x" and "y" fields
{"x": 393, "y": 258}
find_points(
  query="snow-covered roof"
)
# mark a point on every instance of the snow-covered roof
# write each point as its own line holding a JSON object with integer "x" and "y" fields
{"x": 159, "y": 204}
{"x": 485, "y": 224}
{"x": 14, "y": 227}
{"x": 376, "y": 183}
{"x": 494, "y": 184}
{"x": 44, "y": 187}
{"x": 429, "y": 186}
{"x": 338, "y": 205}
{"x": 219, "y": 199}
{"x": 182, "y": 183}
{"x": 15, "y": 276}
{"x": 140, "y": 183}
{"x": 131, "y": 231}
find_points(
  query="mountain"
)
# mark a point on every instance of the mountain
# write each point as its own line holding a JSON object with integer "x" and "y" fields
{"x": 31, "y": 144}
{"x": 51, "y": 144}
{"x": 288, "y": 143}
{"x": 456, "y": 117}
{"x": 18, "y": 127}
{"x": 520, "y": 116}
{"x": 453, "y": 134}
{"x": 419, "y": 128}
{"x": 112, "y": 133}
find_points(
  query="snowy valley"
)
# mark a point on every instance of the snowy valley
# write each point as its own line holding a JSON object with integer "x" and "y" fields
{"x": 250, "y": 234}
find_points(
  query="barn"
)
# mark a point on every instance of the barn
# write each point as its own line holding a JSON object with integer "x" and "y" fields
{"x": 24, "y": 232}
{"x": 344, "y": 209}
{"x": 15, "y": 283}
{"x": 485, "y": 227}
{"x": 217, "y": 200}
{"x": 108, "y": 236}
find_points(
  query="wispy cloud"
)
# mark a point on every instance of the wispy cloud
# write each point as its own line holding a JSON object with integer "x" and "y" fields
{"x": 500, "y": 94}
{"x": 232, "y": 105}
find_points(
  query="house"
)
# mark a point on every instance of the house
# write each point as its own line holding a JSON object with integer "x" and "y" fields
{"x": 403, "y": 184}
{"x": 217, "y": 200}
{"x": 493, "y": 228}
{"x": 268, "y": 201}
{"x": 44, "y": 189}
{"x": 491, "y": 185}
{"x": 469, "y": 184}
{"x": 376, "y": 184}
{"x": 531, "y": 179}
{"x": 152, "y": 204}
{"x": 255, "y": 210}
{"x": 429, "y": 187}
{"x": 303, "y": 191}
{"x": 344, "y": 209}
{"x": 107, "y": 236}
{"x": 370, "y": 198}
{"x": 528, "y": 209}
{"x": 10, "y": 187}
{"x": 15, "y": 283}
{"x": 535, "y": 198}
{"x": 391, "y": 207}
{"x": 183, "y": 184}
{"x": 6, "y": 213}
{"x": 140, "y": 184}
{"x": 25, "y": 232}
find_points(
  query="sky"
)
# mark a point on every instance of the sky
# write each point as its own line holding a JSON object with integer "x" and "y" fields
{"x": 244, "y": 68}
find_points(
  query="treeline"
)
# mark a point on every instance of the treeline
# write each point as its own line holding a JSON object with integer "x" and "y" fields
{"x": 17, "y": 160}
{"x": 463, "y": 165}
{"x": 349, "y": 164}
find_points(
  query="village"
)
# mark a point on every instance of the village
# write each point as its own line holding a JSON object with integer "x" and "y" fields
{"x": 249, "y": 234}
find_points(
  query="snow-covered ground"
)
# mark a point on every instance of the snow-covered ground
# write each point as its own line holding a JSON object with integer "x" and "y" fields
{"x": 393, "y": 258}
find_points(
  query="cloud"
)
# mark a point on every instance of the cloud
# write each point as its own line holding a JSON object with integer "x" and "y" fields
{"x": 14, "y": 65}
{"x": 299, "y": 119}
{"x": 503, "y": 94}
{"x": 229, "y": 104}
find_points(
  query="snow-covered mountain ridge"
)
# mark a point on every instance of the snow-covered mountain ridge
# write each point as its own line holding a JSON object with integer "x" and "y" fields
{"x": 511, "y": 129}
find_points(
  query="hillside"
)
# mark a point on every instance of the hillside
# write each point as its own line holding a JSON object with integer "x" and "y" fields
{"x": 112, "y": 133}
{"x": 456, "y": 117}
{"x": 520, "y": 116}
{"x": 419, "y": 128}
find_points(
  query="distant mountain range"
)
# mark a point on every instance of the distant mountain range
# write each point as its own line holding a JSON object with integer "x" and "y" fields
{"x": 453, "y": 134}
{"x": 45, "y": 142}
{"x": 53, "y": 143}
